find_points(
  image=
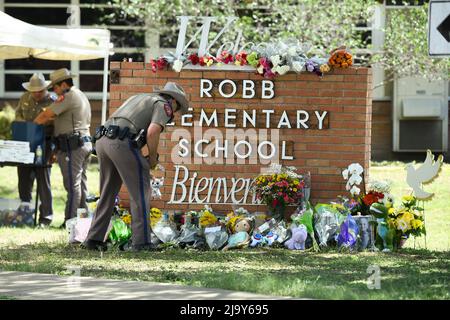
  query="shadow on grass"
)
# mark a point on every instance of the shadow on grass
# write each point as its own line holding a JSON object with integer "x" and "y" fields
{"x": 410, "y": 274}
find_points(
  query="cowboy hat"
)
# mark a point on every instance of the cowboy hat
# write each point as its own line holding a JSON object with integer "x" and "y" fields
{"x": 60, "y": 75}
{"x": 175, "y": 91}
{"x": 37, "y": 83}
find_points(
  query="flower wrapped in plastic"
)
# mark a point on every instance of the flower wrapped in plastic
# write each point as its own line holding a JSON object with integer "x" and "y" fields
{"x": 207, "y": 218}
{"x": 165, "y": 230}
{"x": 305, "y": 217}
{"x": 190, "y": 234}
{"x": 216, "y": 237}
{"x": 326, "y": 222}
{"x": 340, "y": 58}
{"x": 120, "y": 232}
{"x": 348, "y": 234}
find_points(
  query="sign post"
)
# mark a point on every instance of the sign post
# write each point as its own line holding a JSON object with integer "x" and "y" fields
{"x": 439, "y": 28}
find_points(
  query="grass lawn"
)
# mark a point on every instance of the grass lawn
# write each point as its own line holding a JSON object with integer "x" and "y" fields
{"x": 409, "y": 274}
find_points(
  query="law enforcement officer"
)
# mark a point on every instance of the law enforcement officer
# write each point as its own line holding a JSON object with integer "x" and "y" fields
{"x": 30, "y": 105}
{"x": 137, "y": 122}
{"x": 72, "y": 118}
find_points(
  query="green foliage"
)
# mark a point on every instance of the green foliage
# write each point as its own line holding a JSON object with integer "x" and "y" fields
{"x": 325, "y": 24}
{"x": 7, "y": 116}
{"x": 405, "y": 51}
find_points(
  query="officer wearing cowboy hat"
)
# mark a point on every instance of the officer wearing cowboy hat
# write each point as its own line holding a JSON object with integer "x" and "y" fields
{"x": 72, "y": 118}
{"x": 30, "y": 105}
{"x": 137, "y": 122}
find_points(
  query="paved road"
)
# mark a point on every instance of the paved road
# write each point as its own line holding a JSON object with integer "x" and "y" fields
{"x": 24, "y": 285}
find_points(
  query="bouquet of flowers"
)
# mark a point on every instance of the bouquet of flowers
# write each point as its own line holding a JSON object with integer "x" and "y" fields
{"x": 407, "y": 220}
{"x": 279, "y": 189}
{"x": 361, "y": 200}
{"x": 340, "y": 58}
{"x": 207, "y": 218}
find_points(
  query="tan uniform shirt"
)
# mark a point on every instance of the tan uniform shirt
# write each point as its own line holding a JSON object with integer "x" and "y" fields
{"x": 28, "y": 109}
{"x": 139, "y": 111}
{"x": 73, "y": 113}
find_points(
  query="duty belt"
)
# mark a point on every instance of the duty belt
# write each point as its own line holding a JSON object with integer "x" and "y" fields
{"x": 138, "y": 140}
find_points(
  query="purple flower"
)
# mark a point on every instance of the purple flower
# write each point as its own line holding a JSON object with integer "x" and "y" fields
{"x": 309, "y": 66}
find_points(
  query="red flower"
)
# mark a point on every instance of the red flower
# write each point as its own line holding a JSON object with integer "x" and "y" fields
{"x": 158, "y": 64}
{"x": 275, "y": 203}
{"x": 194, "y": 59}
{"x": 372, "y": 197}
{"x": 225, "y": 57}
{"x": 202, "y": 61}
{"x": 241, "y": 57}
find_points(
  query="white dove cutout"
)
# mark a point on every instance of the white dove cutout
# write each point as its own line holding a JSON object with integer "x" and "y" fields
{"x": 426, "y": 173}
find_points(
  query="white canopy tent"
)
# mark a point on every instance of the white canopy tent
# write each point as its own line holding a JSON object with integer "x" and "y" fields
{"x": 20, "y": 40}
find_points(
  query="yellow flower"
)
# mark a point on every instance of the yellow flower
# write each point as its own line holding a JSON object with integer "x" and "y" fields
{"x": 295, "y": 189}
{"x": 402, "y": 225}
{"x": 407, "y": 198}
{"x": 391, "y": 211}
{"x": 207, "y": 219}
{"x": 416, "y": 224}
{"x": 408, "y": 216}
{"x": 155, "y": 216}
{"x": 127, "y": 218}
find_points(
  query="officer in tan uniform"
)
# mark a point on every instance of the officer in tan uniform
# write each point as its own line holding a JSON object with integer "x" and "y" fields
{"x": 72, "y": 118}
{"x": 30, "y": 105}
{"x": 137, "y": 122}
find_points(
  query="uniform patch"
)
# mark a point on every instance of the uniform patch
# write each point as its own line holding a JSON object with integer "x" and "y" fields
{"x": 168, "y": 110}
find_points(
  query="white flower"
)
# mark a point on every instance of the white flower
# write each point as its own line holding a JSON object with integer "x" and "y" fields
{"x": 345, "y": 174}
{"x": 282, "y": 69}
{"x": 355, "y": 179}
{"x": 380, "y": 186}
{"x": 177, "y": 65}
{"x": 275, "y": 60}
{"x": 297, "y": 66}
{"x": 355, "y": 168}
{"x": 355, "y": 191}
{"x": 402, "y": 225}
{"x": 348, "y": 186}
{"x": 260, "y": 70}
{"x": 292, "y": 51}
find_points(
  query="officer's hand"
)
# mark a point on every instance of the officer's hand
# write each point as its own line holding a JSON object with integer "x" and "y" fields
{"x": 152, "y": 162}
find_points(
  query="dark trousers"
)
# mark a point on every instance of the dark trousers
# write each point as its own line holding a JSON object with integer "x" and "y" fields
{"x": 27, "y": 175}
{"x": 122, "y": 163}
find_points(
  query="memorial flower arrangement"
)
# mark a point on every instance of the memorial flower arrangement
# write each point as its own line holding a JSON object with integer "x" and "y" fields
{"x": 207, "y": 218}
{"x": 155, "y": 216}
{"x": 340, "y": 58}
{"x": 408, "y": 219}
{"x": 269, "y": 59}
{"x": 279, "y": 189}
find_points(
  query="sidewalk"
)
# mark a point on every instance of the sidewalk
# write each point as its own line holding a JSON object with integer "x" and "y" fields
{"x": 24, "y": 285}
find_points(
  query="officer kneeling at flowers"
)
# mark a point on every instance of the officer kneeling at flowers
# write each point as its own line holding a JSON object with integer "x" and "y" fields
{"x": 137, "y": 122}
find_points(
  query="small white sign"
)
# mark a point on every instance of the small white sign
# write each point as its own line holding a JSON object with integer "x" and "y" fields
{"x": 438, "y": 28}
{"x": 213, "y": 229}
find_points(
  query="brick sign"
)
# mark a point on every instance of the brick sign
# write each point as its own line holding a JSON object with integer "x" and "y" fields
{"x": 240, "y": 123}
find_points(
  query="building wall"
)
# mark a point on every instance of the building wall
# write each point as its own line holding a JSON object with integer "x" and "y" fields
{"x": 345, "y": 94}
{"x": 382, "y": 135}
